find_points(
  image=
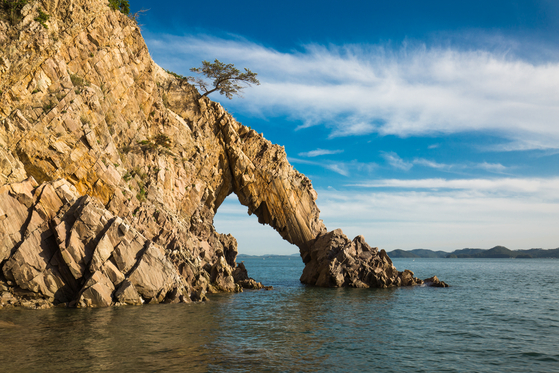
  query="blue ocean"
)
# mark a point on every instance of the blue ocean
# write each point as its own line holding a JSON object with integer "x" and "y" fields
{"x": 499, "y": 315}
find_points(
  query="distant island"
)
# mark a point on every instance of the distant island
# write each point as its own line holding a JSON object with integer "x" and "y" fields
{"x": 495, "y": 252}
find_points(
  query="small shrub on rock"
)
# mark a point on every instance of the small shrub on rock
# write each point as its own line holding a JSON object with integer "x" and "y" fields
{"x": 162, "y": 140}
{"x": 122, "y": 5}
{"x": 78, "y": 81}
{"x": 13, "y": 9}
{"x": 42, "y": 18}
{"x": 48, "y": 106}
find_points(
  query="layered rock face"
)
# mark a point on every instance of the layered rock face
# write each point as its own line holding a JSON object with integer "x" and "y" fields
{"x": 70, "y": 249}
{"x": 111, "y": 171}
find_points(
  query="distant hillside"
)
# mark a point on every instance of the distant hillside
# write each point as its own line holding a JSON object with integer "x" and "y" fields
{"x": 495, "y": 252}
{"x": 417, "y": 253}
{"x": 424, "y": 253}
{"x": 466, "y": 253}
{"x": 402, "y": 254}
{"x": 541, "y": 253}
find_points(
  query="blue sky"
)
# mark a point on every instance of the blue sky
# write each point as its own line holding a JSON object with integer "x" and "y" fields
{"x": 422, "y": 124}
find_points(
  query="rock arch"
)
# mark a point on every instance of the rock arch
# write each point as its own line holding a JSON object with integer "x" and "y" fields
{"x": 267, "y": 184}
{"x": 283, "y": 198}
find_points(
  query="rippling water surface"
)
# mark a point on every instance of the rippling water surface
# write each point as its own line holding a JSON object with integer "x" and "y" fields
{"x": 500, "y": 315}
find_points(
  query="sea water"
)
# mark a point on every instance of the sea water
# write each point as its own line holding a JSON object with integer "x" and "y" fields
{"x": 499, "y": 315}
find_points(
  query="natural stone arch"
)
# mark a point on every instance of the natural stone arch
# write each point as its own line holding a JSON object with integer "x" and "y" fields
{"x": 281, "y": 197}
{"x": 270, "y": 187}
{"x": 253, "y": 168}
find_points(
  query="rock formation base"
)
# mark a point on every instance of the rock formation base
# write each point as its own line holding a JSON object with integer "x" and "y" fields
{"x": 335, "y": 261}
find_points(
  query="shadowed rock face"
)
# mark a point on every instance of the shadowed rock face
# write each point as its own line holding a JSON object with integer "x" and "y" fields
{"x": 111, "y": 171}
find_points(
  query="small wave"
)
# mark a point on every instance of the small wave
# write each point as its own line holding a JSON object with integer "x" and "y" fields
{"x": 541, "y": 357}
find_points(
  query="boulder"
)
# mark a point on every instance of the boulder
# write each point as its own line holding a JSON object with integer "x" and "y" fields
{"x": 335, "y": 261}
{"x": 240, "y": 276}
{"x": 127, "y": 294}
{"x": 97, "y": 292}
{"x": 435, "y": 282}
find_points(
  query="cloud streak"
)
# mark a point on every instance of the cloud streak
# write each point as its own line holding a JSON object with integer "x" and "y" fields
{"x": 490, "y": 167}
{"x": 319, "y": 152}
{"x": 395, "y": 161}
{"x": 342, "y": 168}
{"x": 541, "y": 188}
{"x": 415, "y": 90}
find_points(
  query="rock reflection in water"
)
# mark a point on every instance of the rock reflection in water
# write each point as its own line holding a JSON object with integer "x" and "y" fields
{"x": 148, "y": 338}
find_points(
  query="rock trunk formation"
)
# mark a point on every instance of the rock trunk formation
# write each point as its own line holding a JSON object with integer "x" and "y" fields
{"x": 112, "y": 169}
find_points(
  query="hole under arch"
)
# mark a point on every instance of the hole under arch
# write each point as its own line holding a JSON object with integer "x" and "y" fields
{"x": 252, "y": 237}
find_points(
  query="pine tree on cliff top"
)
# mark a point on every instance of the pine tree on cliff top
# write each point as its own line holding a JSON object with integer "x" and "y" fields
{"x": 226, "y": 78}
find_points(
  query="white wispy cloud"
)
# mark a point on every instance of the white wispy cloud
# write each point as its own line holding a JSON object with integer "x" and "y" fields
{"x": 490, "y": 167}
{"x": 431, "y": 164}
{"x": 539, "y": 187}
{"x": 342, "y": 168}
{"x": 395, "y": 161}
{"x": 337, "y": 167}
{"x": 319, "y": 152}
{"x": 415, "y": 90}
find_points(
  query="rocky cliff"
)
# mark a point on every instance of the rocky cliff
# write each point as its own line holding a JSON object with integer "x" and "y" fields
{"x": 111, "y": 171}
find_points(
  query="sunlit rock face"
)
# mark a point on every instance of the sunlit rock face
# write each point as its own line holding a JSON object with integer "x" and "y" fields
{"x": 111, "y": 172}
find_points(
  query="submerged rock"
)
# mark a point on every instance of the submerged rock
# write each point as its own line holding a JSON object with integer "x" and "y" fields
{"x": 435, "y": 282}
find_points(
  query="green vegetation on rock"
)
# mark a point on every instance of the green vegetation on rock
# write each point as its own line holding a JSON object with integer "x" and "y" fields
{"x": 122, "y": 5}
{"x": 225, "y": 78}
{"x": 13, "y": 8}
{"x": 42, "y": 18}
